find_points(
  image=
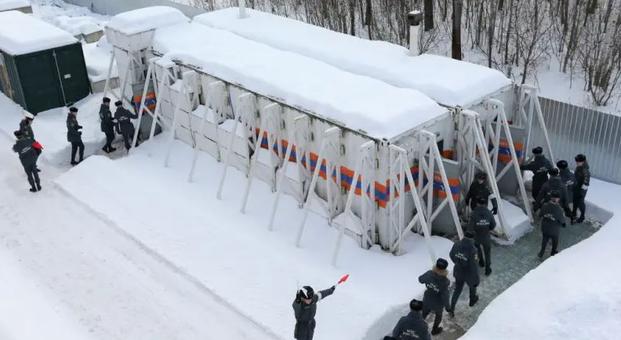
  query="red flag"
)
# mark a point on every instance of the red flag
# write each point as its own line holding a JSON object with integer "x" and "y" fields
{"x": 343, "y": 279}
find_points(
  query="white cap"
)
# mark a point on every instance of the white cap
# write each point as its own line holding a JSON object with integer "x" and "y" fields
{"x": 28, "y": 115}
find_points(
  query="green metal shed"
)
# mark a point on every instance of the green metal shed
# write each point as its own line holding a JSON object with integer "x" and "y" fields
{"x": 41, "y": 66}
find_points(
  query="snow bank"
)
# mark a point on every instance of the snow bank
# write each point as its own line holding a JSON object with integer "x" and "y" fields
{"x": 78, "y": 25}
{"x": 146, "y": 19}
{"x": 6, "y": 5}
{"x": 22, "y": 34}
{"x": 449, "y": 82}
{"x": 573, "y": 295}
{"x": 50, "y": 127}
{"x": 97, "y": 58}
{"x": 356, "y": 101}
{"x": 517, "y": 222}
{"x": 234, "y": 255}
{"x": 28, "y": 311}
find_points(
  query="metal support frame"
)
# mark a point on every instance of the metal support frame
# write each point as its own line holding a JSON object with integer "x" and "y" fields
{"x": 529, "y": 97}
{"x": 329, "y": 147}
{"x": 299, "y": 124}
{"x": 429, "y": 163}
{"x": 214, "y": 93}
{"x": 173, "y": 129}
{"x": 399, "y": 172}
{"x": 270, "y": 126}
{"x": 245, "y": 111}
{"x": 472, "y": 151}
{"x": 493, "y": 133}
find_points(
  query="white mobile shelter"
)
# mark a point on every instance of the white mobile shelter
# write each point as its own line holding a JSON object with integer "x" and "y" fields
{"x": 454, "y": 84}
{"x": 15, "y": 5}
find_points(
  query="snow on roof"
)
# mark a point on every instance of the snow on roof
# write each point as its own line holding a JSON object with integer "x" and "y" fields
{"x": 449, "y": 82}
{"x": 6, "y": 5}
{"x": 146, "y": 19}
{"x": 359, "y": 102}
{"x": 22, "y": 34}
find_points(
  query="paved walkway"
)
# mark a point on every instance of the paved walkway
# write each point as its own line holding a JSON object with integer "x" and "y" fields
{"x": 509, "y": 264}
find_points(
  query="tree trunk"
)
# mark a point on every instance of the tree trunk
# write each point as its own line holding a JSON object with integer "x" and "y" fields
{"x": 490, "y": 34}
{"x": 456, "y": 37}
{"x": 428, "y": 15}
{"x": 352, "y": 17}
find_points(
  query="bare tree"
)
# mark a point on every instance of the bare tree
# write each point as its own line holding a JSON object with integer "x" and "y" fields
{"x": 456, "y": 35}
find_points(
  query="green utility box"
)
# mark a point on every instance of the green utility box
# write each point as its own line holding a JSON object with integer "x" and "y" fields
{"x": 41, "y": 66}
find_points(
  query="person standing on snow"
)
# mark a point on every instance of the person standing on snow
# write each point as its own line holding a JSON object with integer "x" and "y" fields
{"x": 305, "y": 308}
{"x": 479, "y": 188}
{"x": 463, "y": 255}
{"x": 568, "y": 179}
{"x": 482, "y": 222}
{"x": 555, "y": 183}
{"x": 74, "y": 135}
{"x": 436, "y": 296}
{"x": 412, "y": 326}
{"x": 583, "y": 179}
{"x": 28, "y": 155}
{"x": 552, "y": 219}
{"x": 124, "y": 124}
{"x": 540, "y": 166}
{"x": 107, "y": 124}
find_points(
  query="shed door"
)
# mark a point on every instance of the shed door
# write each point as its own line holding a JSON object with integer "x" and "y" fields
{"x": 39, "y": 80}
{"x": 72, "y": 73}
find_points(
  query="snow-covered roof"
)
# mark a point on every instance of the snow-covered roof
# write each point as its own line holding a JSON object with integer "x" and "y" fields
{"x": 6, "y": 5}
{"x": 22, "y": 34}
{"x": 146, "y": 19}
{"x": 359, "y": 102}
{"x": 449, "y": 82}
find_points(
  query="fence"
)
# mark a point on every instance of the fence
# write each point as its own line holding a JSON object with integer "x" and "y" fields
{"x": 574, "y": 130}
{"x": 112, "y": 7}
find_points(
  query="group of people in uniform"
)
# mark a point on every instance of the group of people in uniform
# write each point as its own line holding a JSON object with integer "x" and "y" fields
{"x": 29, "y": 149}
{"x": 558, "y": 194}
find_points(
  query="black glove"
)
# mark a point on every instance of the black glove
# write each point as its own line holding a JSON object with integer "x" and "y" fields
{"x": 495, "y": 210}
{"x": 79, "y": 127}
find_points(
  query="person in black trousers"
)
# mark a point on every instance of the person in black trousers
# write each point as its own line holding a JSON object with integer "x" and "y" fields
{"x": 463, "y": 254}
{"x": 436, "y": 297}
{"x": 552, "y": 219}
{"x": 480, "y": 188}
{"x": 305, "y": 308}
{"x": 482, "y": 222}
{"x": 124, "y": 124}
{"x": 74, "y": 135}
{"x": 28, "y": 155}
{"x": 411, "y": 326}
{"x": 581, "y": 186}
{"x": 107, "y": 124}
{"x": 540, "y": 166}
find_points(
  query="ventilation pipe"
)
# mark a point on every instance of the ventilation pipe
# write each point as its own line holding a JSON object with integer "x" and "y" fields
{"x": 415, "y": 19}
{"x": 242, "y": 9}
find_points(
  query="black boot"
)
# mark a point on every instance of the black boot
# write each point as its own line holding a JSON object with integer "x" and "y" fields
{"x": 33, "y": 189}
{"x": 436, "y": 330}
{"x": 474, "y": 300}
{"x": 481, "y": 263}
{"x": 488, "y": 271}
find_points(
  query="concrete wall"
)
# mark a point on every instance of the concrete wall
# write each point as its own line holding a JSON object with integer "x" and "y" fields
{"x": 112, "y": 7}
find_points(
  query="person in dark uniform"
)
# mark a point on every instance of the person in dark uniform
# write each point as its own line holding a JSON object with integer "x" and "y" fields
{"x": 463, "y": 254}
{"x": 479, "y": 188}
{"x": 583, "y": 179}
{"x": 482, "y": 222}
{"x": 25, "y": 125}
{"x": 305, "y": 308}
{"x": 568, "y": 179}
{"x": 555, "y": 183}
{"x": 436, "y": 296}
{"x": 124, "y": 124}
{"x": 552, "y": 219}
{"x": 412, "y": 326}
{"x": 540, "y": 166}
{"x": 28, "y": 155}
{"x": 107, "y": 124}
{"x": 74, "y": 135}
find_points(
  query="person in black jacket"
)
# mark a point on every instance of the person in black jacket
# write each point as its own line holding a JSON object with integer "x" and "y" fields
{"x": 412, "y": 326}
{"x": 304, "y": 308}
{"x": 28, "y": 156}
{"x": 540, "y": 166}
{"x": 555, "y": 183}
{"x": 436, "y": 296}
{"x": 479, "y": 188}
{"x": 25, "y": 125}
{"x": 568, "y": 179}
{"x": 482, "y": 222}
{"x": 107, "y": 124}
{"x": 583, "y": 179}
{"x": 74, "y": 135}
{"x": 463, "y": 254}
{"x": 552, "y": 219}
{"x": 124, "y": 124}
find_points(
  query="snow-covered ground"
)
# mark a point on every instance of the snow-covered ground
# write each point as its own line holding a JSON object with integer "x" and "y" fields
{"x": 234, "y": 255}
